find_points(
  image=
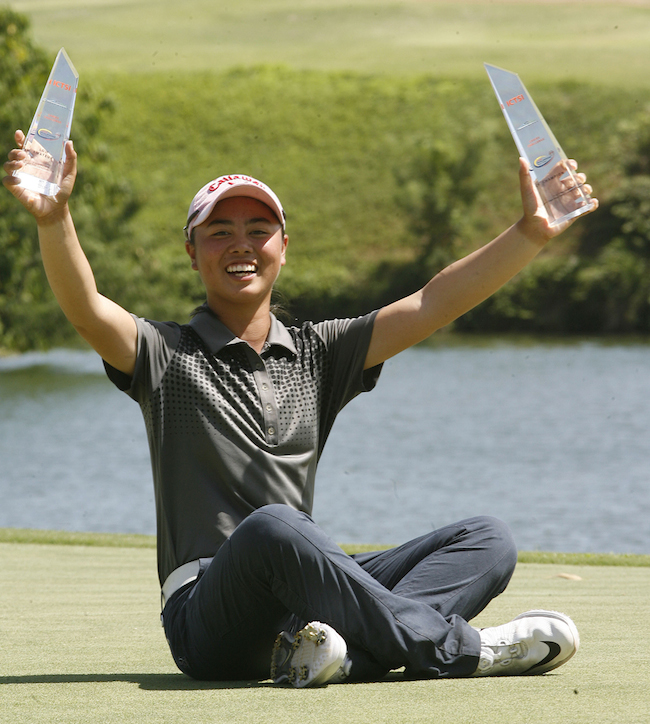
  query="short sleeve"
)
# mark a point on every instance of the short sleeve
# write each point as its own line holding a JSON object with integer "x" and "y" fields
{"x": 156, "y": 344}
{"x": 347, "y": 342}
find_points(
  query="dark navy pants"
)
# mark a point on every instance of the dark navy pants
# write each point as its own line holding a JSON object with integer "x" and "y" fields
{"x": 407, "y": 606}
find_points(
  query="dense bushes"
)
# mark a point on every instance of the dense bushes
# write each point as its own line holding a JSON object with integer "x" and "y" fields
{"x": 29, "y": 315}
{"x": 601, "y": 285}
{"x": 384, "y": 179}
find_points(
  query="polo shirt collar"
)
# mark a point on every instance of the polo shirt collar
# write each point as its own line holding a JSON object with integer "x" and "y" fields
{"x": 216, "y": 335}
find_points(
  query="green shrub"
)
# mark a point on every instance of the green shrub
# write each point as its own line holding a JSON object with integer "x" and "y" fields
{"x": 385, "y": 180}
{"x": 29, "y": 315}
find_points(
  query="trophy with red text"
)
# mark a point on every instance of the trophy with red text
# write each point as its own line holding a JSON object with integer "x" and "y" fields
{"x": 50, "y": 129}
{"x": 563, "y": 195}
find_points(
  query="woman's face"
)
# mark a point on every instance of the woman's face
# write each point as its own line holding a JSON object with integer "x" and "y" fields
{"x": 239, "y": 251}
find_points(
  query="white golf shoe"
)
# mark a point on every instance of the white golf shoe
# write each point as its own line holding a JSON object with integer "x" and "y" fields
{"x": 533, "y": 643}
{"x": 315, "y": 656}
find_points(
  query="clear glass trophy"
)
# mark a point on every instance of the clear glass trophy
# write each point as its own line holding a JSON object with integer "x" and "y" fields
{"x": 563, "y": 195}
{"x": 50, "y": 129}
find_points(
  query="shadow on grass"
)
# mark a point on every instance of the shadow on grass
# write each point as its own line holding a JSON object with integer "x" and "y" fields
{"x": 152, "y": 682}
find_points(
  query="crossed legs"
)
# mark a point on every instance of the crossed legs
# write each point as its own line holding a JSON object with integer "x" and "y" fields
{"x": 408, "y": 606}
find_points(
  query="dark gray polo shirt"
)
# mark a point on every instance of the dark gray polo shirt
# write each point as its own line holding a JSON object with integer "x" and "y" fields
{"x": 230, "y": 430}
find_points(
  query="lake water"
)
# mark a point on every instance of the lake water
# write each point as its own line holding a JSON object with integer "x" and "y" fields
{"x": 552, "y": 438}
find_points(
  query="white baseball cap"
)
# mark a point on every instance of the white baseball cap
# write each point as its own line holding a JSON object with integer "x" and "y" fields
{"x": 225, "y": 187}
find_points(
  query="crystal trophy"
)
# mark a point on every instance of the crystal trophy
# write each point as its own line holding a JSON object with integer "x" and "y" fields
{"x": 50, "y": 129}
{"x": 563, "y": 195}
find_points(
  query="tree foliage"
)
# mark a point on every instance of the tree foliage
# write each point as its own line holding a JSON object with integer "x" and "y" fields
{"x": 436, "y": 191}
{"x": 385, "y": 181}
{"x": 103, "y": 205}
{"x": 600, "y": 284}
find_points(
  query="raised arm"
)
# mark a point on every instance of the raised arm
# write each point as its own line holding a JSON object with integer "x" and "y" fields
{"x": 108, "y": 328}
{"x": 468, "y": 281}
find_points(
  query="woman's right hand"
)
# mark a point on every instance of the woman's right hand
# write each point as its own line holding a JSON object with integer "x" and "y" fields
{"x": 40, "y": 206}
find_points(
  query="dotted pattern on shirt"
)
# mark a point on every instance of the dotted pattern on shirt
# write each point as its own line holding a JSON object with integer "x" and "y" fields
{"x": 301, "y": 386}
{"x": 221, "y": 392}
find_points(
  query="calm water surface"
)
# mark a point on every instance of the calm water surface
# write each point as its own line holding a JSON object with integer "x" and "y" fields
{"x": 554, "y": 439}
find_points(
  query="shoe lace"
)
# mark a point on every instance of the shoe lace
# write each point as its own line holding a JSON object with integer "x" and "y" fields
{"x": 501, "y": 654}
{"x": 283, "y": 649}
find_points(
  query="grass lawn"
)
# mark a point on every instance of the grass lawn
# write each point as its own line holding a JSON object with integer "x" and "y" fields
{"x": 352, "y": 97}
{"x": 81, "y": 642}
{"x": 602, "y": 42}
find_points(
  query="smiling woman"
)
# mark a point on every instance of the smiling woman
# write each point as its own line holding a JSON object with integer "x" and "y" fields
{"x": 238, "y": 408}
{"x": 236, "y": 241}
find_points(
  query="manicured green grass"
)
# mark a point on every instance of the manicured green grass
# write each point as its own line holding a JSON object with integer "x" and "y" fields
{"x": 70, "y": 538}
{"x": 81, "y": 642}
{"x": 369, "y": 88}
{"x": 605, "y": 42}
{"x": 131, "y": 540}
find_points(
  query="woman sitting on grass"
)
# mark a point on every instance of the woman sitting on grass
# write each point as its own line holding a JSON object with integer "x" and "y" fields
{"x": 238, "y": 408}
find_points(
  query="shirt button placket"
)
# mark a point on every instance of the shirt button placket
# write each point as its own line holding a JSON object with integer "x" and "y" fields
{"x": 269, "y": 405}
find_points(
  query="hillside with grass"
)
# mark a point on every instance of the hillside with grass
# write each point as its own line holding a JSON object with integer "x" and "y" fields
{"x": 386, "y": 175}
